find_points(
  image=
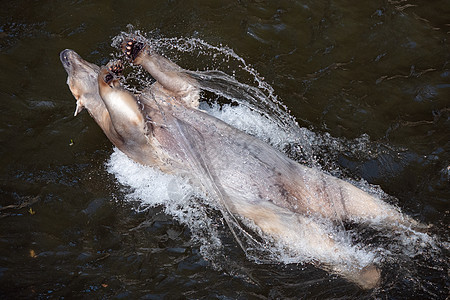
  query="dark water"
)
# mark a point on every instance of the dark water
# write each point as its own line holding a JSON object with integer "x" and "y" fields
{"x": 372, "y": 80}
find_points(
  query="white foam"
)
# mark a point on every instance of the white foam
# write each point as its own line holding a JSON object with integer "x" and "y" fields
{"x": 152, "y": 188}
{"x": 180, "y": 200}
{"x": 251, "y": 122}
{"x": 145, "y": 181}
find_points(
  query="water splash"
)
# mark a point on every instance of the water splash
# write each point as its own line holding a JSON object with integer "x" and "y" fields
{"x": 179, "y": 199}
{"x": 247, "y": 102}
{"x": 246, "y": 88}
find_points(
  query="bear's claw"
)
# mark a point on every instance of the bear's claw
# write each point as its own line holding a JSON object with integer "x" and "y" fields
{"x": 116, "y": 67}
{"x": 132, "y": 48}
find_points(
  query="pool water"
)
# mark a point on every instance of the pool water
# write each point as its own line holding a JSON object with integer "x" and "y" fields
{"x": 367, "y": 83}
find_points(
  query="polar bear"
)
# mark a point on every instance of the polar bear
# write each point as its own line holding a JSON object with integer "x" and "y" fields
{"x": 163, "y": 128}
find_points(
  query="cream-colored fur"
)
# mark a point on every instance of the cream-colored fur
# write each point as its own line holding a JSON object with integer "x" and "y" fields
{"x": 284, "y": 199}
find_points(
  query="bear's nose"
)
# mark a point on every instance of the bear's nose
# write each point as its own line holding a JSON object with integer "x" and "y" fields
{"x": 64, "y": 57}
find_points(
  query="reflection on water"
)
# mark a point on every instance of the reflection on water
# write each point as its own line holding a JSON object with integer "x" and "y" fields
{"x": 369, "y": 81}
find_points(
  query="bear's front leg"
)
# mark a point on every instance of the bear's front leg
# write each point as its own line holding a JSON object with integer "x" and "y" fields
{"x": 174, "y": 79}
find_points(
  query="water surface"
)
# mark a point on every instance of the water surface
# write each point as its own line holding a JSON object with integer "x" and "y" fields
{"x": 370, "y": 82}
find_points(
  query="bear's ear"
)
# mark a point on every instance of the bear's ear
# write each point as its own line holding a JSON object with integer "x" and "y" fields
{"x": 80, "y": 106}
